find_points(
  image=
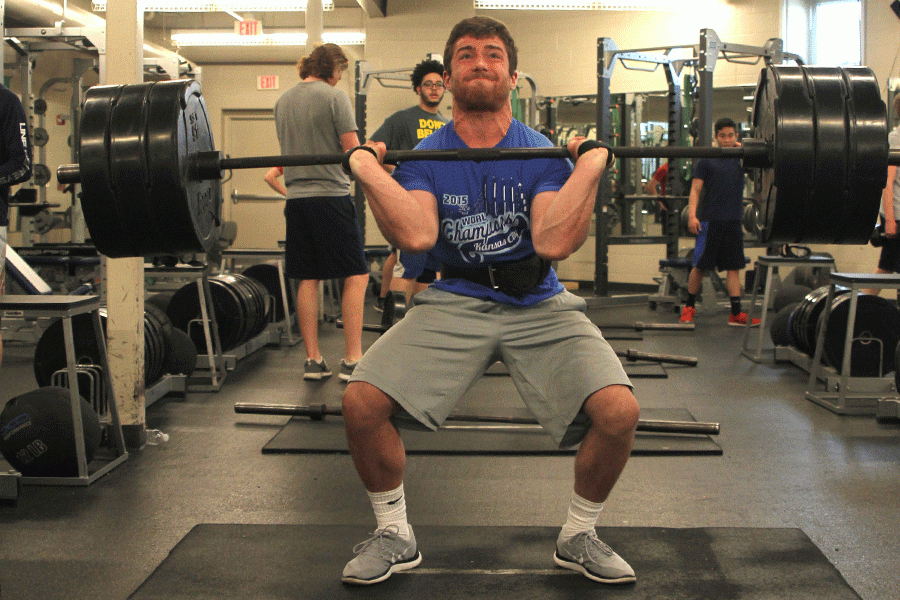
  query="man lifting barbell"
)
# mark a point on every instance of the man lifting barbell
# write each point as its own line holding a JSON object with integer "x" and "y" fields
{"x": 496, "y": 226}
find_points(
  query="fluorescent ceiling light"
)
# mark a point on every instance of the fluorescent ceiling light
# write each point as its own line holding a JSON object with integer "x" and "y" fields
{"x": 184, "y": 38}
{"x": 223, "y": 6}
{"x": 581, "y": 4}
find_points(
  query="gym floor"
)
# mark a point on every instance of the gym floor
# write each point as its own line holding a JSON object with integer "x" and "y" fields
{"x": 787, "y": 462}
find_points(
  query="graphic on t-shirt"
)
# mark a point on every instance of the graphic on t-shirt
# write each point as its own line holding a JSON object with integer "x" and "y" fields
{"x": 427, "y": 127}
{"x": 493, "y": 227}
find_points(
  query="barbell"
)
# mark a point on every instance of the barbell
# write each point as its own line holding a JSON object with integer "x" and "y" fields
{"x": 317, "y": 412}
{"x": 150, "y": 175}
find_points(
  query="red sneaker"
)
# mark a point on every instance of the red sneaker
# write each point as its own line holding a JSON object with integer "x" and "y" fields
{"x": 740, "y": 320}
{"x": 687, "y": 314}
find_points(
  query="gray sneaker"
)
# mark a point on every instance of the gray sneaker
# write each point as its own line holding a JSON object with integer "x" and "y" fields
{"x": 347, "y": 369}
{"x": 316, "y": 369}
{"x": 380, "y": 555}
{"x": 584, "y": 552}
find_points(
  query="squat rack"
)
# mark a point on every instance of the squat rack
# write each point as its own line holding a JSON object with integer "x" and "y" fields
{"x": 704, "y": 57}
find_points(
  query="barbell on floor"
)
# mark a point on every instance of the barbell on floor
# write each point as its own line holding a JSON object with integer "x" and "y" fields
{"x": 150, "y": 175}
{"x": 317, "y": 412}
{"x": 641, "y": 326}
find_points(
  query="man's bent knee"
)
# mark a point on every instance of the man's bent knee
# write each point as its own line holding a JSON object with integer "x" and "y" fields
{"x": 364, "y": 405}
{"x": 614, "y": 410}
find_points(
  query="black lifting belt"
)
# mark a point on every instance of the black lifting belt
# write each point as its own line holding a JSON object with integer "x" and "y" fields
{"x": 515, "y": 278}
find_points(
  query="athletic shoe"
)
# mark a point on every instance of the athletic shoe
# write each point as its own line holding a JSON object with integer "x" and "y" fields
{"x": 347, "y": 369}
{"x": 687, "y": 314}
{"x": 316, "y": 369}
{"x": 585, "y": 553}
{"x": 379, "y": 304}
{"x": 381, "y": 555}
{"x": 740, "y": 320}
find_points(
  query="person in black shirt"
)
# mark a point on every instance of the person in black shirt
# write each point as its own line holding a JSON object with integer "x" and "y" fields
{"x": 15, "y": 166}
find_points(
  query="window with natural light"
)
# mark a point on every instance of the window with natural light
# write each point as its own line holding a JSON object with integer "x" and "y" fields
{"x": 837, "y": 39}
{"x": 824, "y": 32}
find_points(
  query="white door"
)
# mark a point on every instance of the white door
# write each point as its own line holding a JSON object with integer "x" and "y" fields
{"x": 253, "y": 205}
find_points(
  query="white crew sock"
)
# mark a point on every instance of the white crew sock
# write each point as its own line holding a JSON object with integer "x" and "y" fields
{"x": 583, "y": 515}
{"x": 390, "y": 509}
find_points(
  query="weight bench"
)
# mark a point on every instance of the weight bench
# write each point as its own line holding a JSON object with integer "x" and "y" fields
{"x": 673, "y": 284}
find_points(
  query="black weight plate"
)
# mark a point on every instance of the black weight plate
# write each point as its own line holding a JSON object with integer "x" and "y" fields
{"x": 102, "y": 213}
{"x": 825, "y": 217}
{"x": 40, "y": 137}
{"x": 185, "y": 307}
{"x": 160, "y": 299}
{"x": 876, "y": 333}
{"x": 263, "y": 305}
{"x": 868, "y": 131}
{"x": 40, "y": 175}
{"x": 789, "y": 294}
{"x": 805, "y": 319}
{"x": 779, "y": 330}
{"x": 178, "y": 128}
{"x": 236, "y": 306}
{"x": 163, "y": 327}
{"x": 152, "y": 345}
{"x": 128, "y": 169}
{"x": 268, "y": 276}
{"x": 50, "y": 351}
{"x": 782, "y": 117}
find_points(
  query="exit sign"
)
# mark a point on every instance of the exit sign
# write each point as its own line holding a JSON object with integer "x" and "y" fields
{"x": 248, "y": 27}
{"x": 267, "y": 82}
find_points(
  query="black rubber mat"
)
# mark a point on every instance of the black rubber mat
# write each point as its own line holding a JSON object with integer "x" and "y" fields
{"x": 305, "y": 561}
{"x": 303, "y": 436}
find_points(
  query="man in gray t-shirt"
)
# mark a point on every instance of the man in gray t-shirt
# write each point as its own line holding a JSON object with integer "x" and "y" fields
{"x": 403, "y": 130}
{"x": 323, "y": 239}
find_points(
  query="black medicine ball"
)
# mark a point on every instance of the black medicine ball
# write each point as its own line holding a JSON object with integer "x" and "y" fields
{"x": 37, "y": 437}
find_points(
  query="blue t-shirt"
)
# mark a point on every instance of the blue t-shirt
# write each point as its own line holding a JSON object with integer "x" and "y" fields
{"x": 723, "y": 189}
{"x": 484, "y": 208}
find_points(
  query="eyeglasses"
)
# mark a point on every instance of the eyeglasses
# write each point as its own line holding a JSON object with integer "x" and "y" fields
{"x": 433, "y": 86}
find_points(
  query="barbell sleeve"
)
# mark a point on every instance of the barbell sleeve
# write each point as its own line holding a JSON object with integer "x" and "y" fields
{"x": 317, "y": 412}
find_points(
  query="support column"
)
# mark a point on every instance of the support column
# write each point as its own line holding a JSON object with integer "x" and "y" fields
{"x": 125, "y": 276}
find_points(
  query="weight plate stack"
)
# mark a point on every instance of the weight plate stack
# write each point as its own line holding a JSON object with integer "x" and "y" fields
{"x": 876, "y": 333}
{"x": 824, "y": 217}
{"x": 178, "y": 128}
{"x": 106, "y": 223}
{"x": 267, "y": 275}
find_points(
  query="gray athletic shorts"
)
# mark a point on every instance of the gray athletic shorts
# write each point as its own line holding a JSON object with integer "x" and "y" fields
{"x": 555, "y": 355}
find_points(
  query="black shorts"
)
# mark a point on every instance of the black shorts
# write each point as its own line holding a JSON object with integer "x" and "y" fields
{"x": 890, "y": 254}
{"x": 720, "y": 246}
{"x": 323, "y": 239}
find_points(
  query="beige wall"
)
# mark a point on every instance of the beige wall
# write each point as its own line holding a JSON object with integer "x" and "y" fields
{"x": 557, "y": 49}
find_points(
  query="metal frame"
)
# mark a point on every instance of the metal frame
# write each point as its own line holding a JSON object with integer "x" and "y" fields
{"x": 66, "y": 307}
{"x": 767, "y": 266}
{"x": 705, "y": 54}
{"x": 849, "y": 395}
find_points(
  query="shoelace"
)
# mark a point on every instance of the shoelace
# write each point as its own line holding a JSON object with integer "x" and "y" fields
{"x": 593, "y": 542}
{"x": 391, "y": 531}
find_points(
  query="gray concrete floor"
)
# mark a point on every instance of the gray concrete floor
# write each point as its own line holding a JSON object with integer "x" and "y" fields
{"x": 787, "y": 463}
